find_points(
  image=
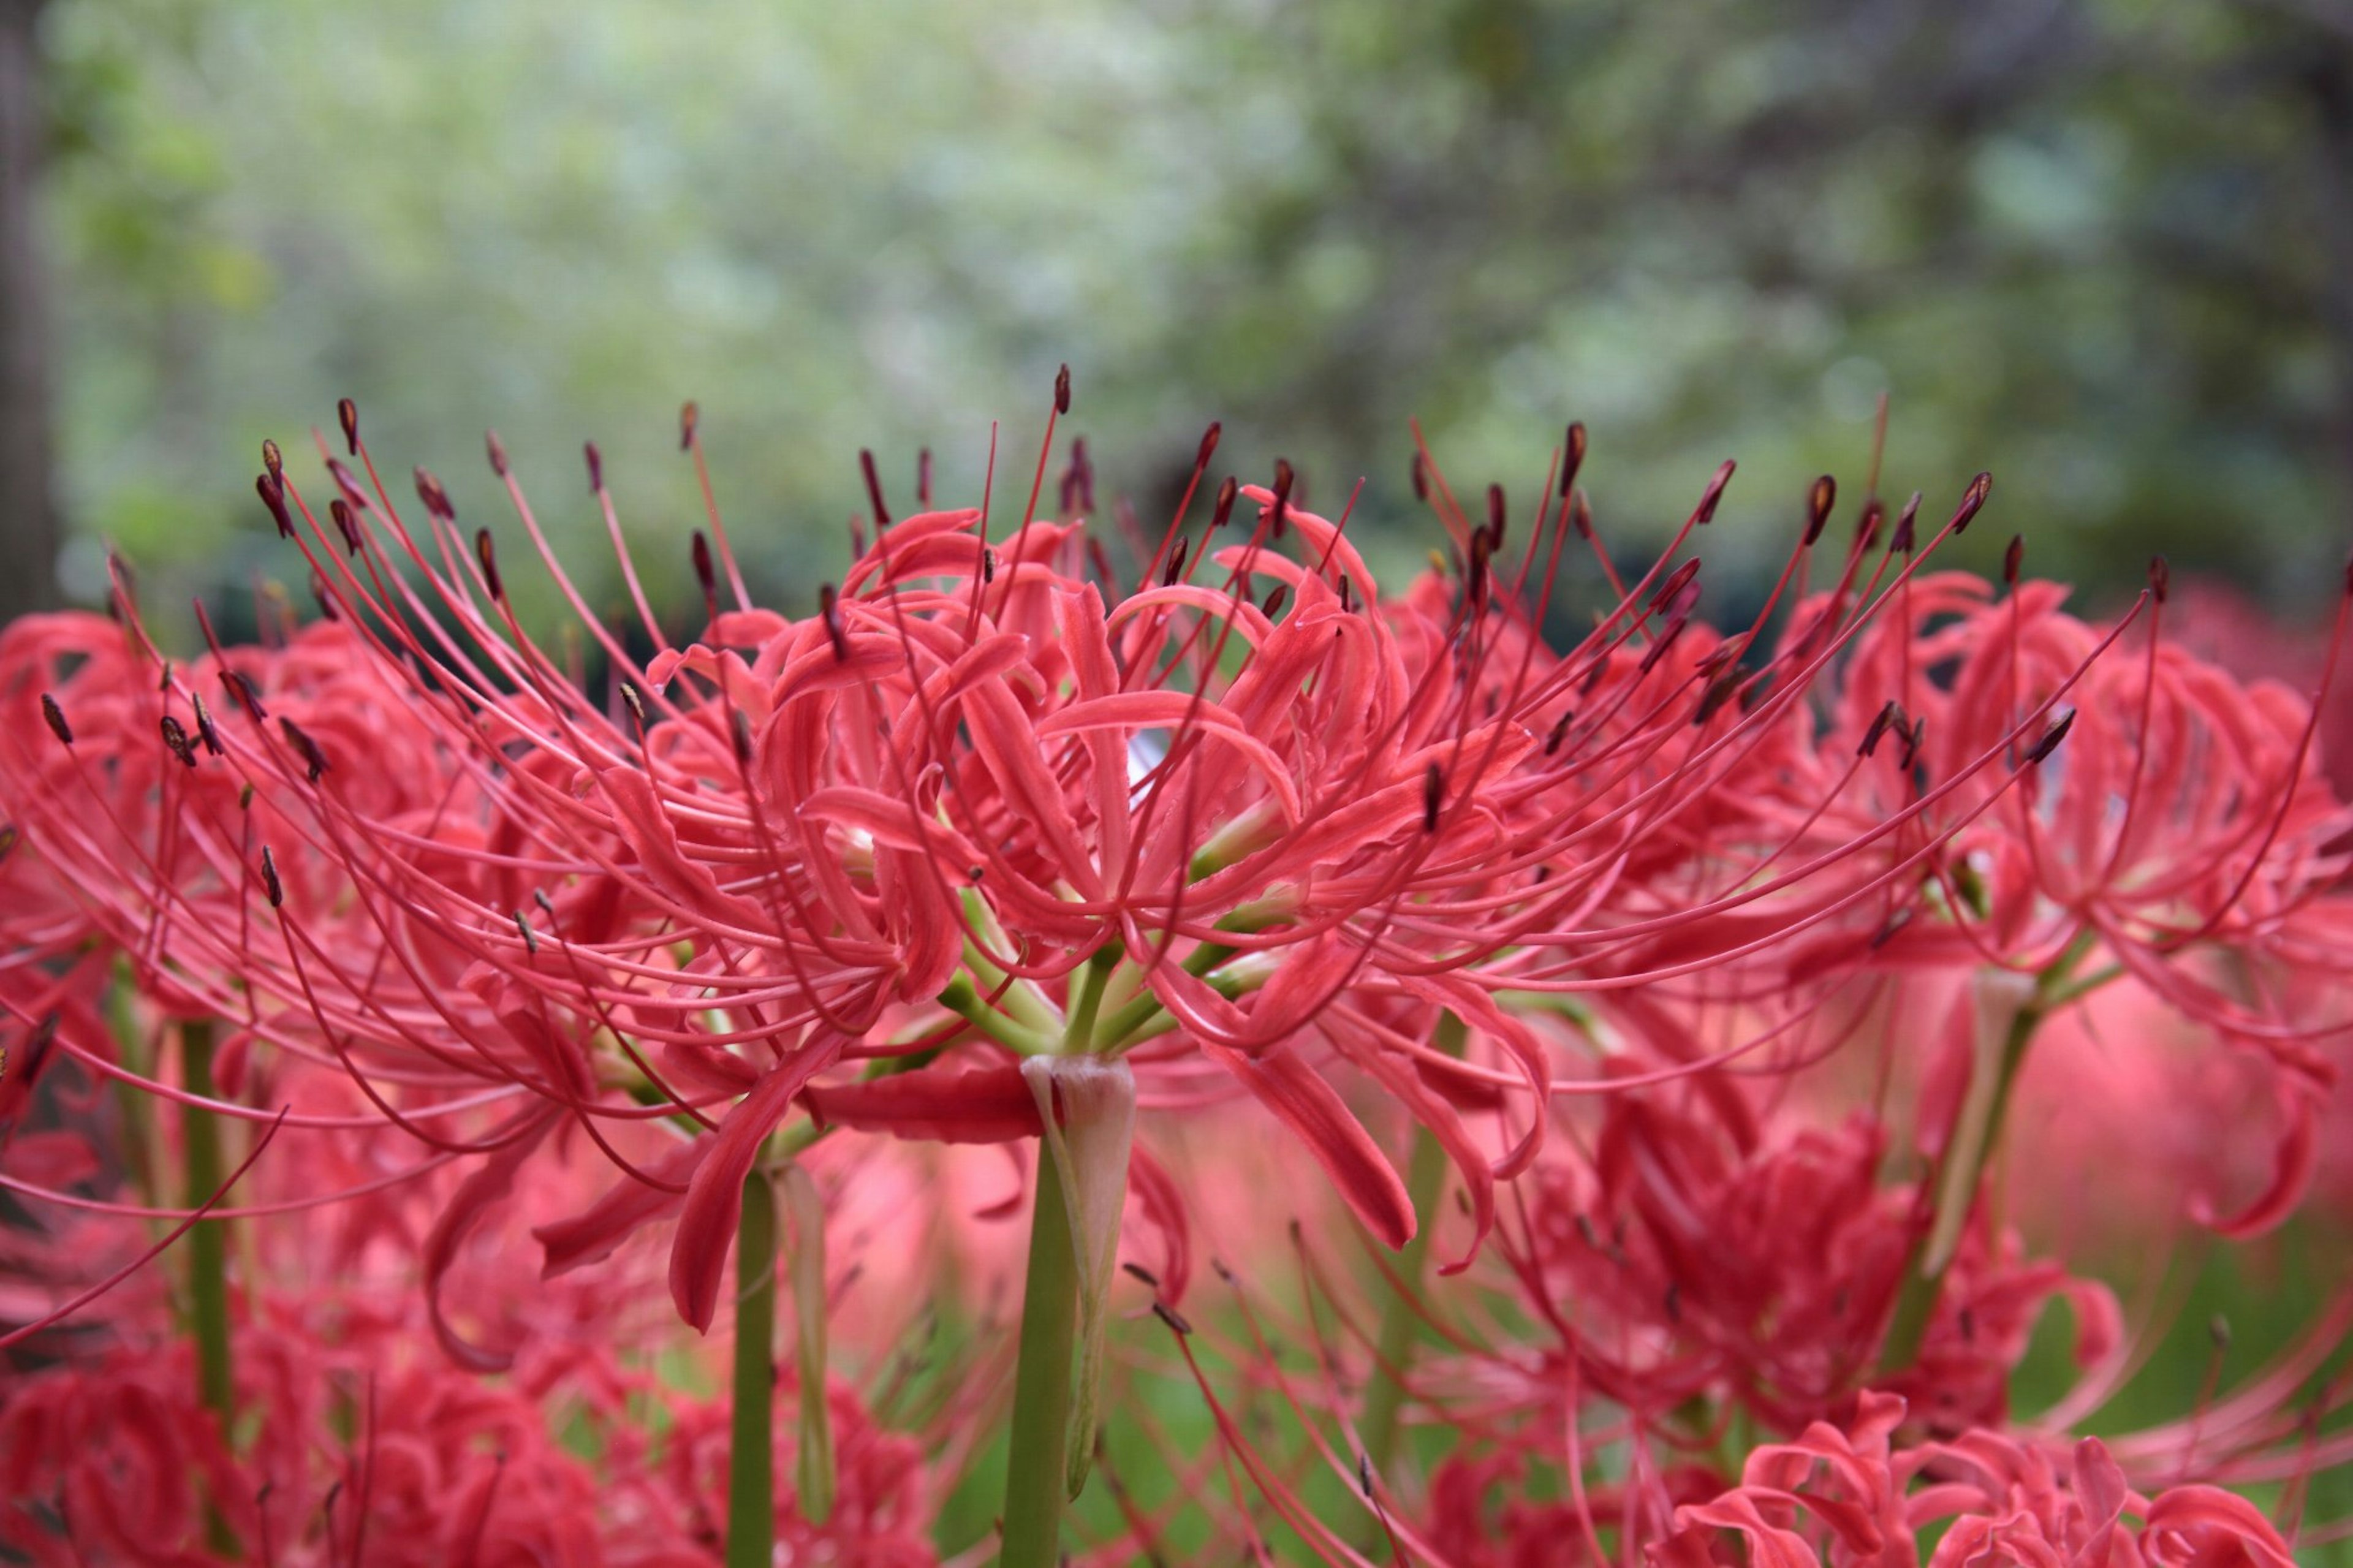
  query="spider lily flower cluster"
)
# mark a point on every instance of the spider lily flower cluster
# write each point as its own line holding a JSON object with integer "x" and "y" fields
{"x": 1653, "y": 1009}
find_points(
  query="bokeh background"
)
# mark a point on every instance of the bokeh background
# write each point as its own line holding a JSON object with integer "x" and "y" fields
{"x": 2104, "y": 249}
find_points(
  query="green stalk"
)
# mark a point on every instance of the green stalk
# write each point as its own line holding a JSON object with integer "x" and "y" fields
{"x": 751, "y": 1481}
{"x": 1401, "y": 1315}
{"x": 1923, "y": 1270}
{"x": 1035, "y": 1472}
{"x": 207, "y": 1252}
{"x": 138, "y": 1125}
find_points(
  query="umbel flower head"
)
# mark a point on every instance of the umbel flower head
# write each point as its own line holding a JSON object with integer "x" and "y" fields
{"x": 994, "y": 811}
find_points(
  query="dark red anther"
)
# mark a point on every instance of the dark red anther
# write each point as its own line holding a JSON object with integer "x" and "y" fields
{"x": 596, "y": 459}
{"x": 1494, "y": 517}
{"x": 1275, "y": 598}
{"x": 1911, "y": 738}
{"x": 1062, "y": 390}
{"x": 204, "y": 727}
{"x": 1420, "y": 478}
{"x": 273, "y": 461}
{"x": 498, "y": 451}
{"x": 269, "y": 881}
{"x": 1818, "y": 507}
{"x": 313, "y": 759}
{"x": 739, "y": 731}
{"x": 1433, "y": 795}
{"x": 924, "y": 477}
{"x": 490, "y": 560}
{"x": 1559, "y": 731}
{"x": 175, "y": 738}
{"x": 2161, "y": 577}
{"x": 1674, "y": 585}
{"x": 1348, "y": 596}
{"x": 1704, "y": 513}
{"x": 1973, "y": 500}
{"x": 1900, "y": 542}
{"x": 828, "y": 606}
{"x": 873, "y": 489}
{"x": 1172, "y": 1317}
{"x": 1209, "y": 446}
{"x": 2051, "y": 739}
{"x": 345, "y": 523}
{"x": 241, "y": 687}
{"x": 689, "y": 414}
{"x": 347, "y": 414}
{"x": 323, "y": 598}
{"x": 1176, "y": 567}
{"x": 346, "y": 481}
{"x": 2012, "y": 558}
{"x": 273, "y": 496}
{"x": 1658, "y": 650}
{"x": 1572, "y": 457}
{"x": 1284, "y": 480}
{"x": 704, "y": 574}
{"x": 1224, "y": 509}
{"x": 988, "y": 566}
{"x": 1719, "y": 691}
{"x": 1866, "y": 531}
{"x": 436, "y": 498}
{"x": 635, "y": 703}
{"x": 1890, "y": 715}
{"x": 56, "y": 716}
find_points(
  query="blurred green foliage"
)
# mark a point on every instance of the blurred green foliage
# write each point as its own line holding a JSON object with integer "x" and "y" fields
{"x": 2102, "y": 248}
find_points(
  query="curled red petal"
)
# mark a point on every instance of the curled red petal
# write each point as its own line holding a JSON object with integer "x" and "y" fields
{"x": 981, "y": 1105}
{"x": 590, "y": 1237}
{"x": 714, "y": 1199}
{"x": 1308, "y": 1106}
{"x": 2291, "y": 1174}
{"x": 479, "y": 1193}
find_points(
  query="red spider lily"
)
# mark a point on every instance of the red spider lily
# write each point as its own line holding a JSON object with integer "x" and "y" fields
{"x": 1701, "y": 1255}
{"x": 364, "y": 1446}
{"x": 2184, "y": 839}
{"x": 1236, "y": 827}
{"x": 1845, "y": 1497}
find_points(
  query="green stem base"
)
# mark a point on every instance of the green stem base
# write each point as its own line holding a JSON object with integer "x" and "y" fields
{"x": 751, "y": 1450}
{"x": 1035, "y": 1474}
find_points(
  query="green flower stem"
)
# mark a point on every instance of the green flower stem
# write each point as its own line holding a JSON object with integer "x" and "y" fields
{"x": 1035, "y": 1473}
{"x": 751, "y": 1482}
{"x": 1401, "y": 1315}
{"x": 1924, "y": 1275}
{"x": 200, "y": 1152}
{"x": 1124, "y": 1027}
{"x": 1086, "y": 1000}
{"x": 130, "y": 1100}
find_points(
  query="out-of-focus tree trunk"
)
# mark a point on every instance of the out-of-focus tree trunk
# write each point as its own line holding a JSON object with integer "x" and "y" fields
{"x": 2332, "y": 90}
{"x": 28, "y": 516}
